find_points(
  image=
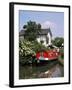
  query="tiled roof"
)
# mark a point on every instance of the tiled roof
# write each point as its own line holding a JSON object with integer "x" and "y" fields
{"x": 22, "y": 32}
{"x": 42, "y": 32}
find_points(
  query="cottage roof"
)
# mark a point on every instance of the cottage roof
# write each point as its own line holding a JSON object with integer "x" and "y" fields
{"x": 42, "y": 32}
{"x": 45, "y": 32}
{"x": 21, "y": 33}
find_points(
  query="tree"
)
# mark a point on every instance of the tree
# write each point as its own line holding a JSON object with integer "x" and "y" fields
{"x": 32, "y": 30}
{"x": 58, "y": 41}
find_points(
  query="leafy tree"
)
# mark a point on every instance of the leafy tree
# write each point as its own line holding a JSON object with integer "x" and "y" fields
{"x": 58, "y": 41}
{"x": 32, "y": 30}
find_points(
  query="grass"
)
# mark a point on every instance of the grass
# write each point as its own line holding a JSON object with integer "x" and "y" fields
{"x": 61, "y": 57}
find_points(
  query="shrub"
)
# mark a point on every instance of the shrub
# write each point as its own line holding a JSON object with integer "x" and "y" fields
{"x": 27, "y": 49}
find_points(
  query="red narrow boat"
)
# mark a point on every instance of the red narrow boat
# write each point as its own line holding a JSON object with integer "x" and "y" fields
{"x": 47, "y": 55}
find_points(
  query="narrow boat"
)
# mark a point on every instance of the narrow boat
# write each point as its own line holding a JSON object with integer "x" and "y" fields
{"x": 47, "y": 55}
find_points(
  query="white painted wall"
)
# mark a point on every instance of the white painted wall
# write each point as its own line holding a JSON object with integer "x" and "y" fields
{"x": 50, "y": 38}
{"x": 43, "y": 38}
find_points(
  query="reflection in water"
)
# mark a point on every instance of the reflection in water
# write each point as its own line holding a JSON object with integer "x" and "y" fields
{"x": 50, "y": 69}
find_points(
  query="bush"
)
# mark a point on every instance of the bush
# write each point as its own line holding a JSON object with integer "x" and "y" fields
{"x": 27, "y": 49}
{"x": 58, "y": 41}
{"x": 62, "y": 53}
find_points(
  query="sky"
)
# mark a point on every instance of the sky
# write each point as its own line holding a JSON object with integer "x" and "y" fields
{"x": 54, "y": 20}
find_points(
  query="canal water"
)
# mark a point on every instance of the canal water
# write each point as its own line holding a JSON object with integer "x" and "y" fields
{"x": 46, "y": 70}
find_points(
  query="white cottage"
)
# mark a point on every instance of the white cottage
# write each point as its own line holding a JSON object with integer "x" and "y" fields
{"x": 44, "y": 36}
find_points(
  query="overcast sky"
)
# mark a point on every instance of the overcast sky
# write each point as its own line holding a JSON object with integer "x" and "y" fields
{"x": 54, "y": 20}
